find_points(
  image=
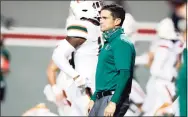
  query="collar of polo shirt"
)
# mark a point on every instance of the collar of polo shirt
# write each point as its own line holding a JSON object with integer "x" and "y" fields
{"x": 112, "y": 33}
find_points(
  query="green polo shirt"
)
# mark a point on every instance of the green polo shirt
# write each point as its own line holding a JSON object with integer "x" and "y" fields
{"x": 118, "y": 53}
{"x": 182, "y": 85}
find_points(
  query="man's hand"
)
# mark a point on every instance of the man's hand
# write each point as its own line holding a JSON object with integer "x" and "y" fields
{"x": 110, "y": 109}
{"x": 90, "y": 106}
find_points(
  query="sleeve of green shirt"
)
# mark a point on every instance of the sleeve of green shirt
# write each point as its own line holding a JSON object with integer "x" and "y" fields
{"x": 122, "y": 81}
{"x": 123, "y": 60}
{"x": 93, "y": 97}
{"x": 123, "y": 53}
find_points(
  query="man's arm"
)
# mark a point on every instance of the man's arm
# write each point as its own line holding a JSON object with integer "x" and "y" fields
{"x": 76, "y": 42}
{"x": 123, "y": 56}
{"x": 150, "y": 59}
{"x": 76, "y": 36}
{"x": 51, "y": 73}
{"x": 123, "y": 78}
{"x": 60, "y": 59}
{"x": 94, "y": 97}
{"x": 62, "y": 53}
{"x": 152, "y": 49}
{"x": 178, "y": 64}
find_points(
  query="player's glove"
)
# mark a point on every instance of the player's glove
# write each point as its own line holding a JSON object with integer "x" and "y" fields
{"x": 80, "y": 81}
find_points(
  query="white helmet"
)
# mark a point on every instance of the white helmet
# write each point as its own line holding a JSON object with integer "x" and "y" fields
{"x": 166, "y": 29}
{"x": 86, "y": 9}
{"x": 98, "y": 5}
{"x": 129, "y": 24}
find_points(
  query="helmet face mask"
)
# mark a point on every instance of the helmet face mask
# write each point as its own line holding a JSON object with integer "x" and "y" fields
{"x": 97, "y": 5}
{"x": 1, "y": 41}
{"x": 86, "y": 9}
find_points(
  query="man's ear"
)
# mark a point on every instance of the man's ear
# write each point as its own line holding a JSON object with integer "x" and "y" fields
{"x": 117, "y": 21}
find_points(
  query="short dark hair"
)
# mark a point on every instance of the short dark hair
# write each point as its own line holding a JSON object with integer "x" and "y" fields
{"x": 116, "y": 10}
{"x": 177, "y": 3}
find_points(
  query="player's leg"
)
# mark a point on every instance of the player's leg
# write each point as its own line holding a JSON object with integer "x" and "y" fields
{"x": 150, "y": 95}
{"x": 161, "y": 97}
{"x": 63, "y": 82}
{"x": 137, "y": 97}
{"x": 63, "y": 107}
{"x": 163, "y": 93}
{"x": 79, "y": 101}
{"x": 168, "y": 91}
{"x": 175, "y": 107}
{"x": 137, "y": 94}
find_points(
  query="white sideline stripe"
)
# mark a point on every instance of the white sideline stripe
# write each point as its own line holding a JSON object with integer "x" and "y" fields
{"x": 30, "y": 42}
{"x": 34, "y": 30}
{"x": 57, "y": 32}
{"x": 43, "y": 42}
{"x": 60, "y": 31}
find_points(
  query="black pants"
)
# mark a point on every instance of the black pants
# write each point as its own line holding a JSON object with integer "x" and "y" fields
{"x": 122, "y": 107}
{"x": 2, "y": 91}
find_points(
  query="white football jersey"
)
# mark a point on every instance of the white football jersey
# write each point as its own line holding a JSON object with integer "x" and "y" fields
{"x": 165, "y": 57}
{"x": 86, "y": 55}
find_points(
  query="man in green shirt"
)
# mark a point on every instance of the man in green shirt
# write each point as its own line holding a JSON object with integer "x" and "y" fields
{"x": 115, "y": 66}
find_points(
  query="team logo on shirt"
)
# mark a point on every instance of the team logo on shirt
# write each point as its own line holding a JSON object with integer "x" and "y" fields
{"x": 107, "y": 47}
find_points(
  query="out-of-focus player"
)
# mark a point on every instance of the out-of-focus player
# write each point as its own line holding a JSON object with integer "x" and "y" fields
{"x": 5, "y": 68}
{"x": 39, "y": 110}
{"x": 176, "y": 108}
{"x": 168, "y": 109}
{"x": 129, "y": 26}
{"x": 182, "y": 76}
{"x": 83, "y": 40}
{"x": 166, "y": 55}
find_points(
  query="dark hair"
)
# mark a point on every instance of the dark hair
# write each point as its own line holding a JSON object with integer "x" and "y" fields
{"x": 1, "y": 41}
{"x": 177, "y": 3}
{"x": 116, "y": 10}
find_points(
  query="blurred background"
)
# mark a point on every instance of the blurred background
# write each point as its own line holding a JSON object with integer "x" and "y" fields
{"x": 53, "y": 14}
{"x": 28, "y": 65}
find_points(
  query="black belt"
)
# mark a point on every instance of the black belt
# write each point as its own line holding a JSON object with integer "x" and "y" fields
{"x": 104, "y": 93}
